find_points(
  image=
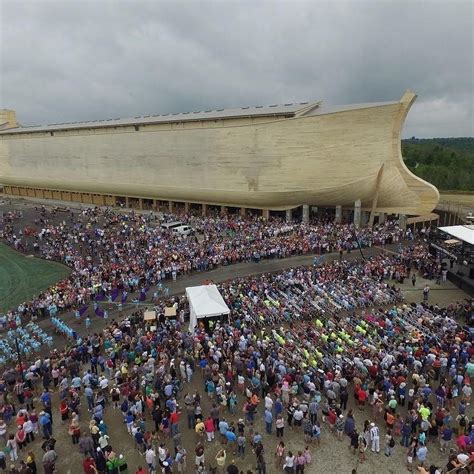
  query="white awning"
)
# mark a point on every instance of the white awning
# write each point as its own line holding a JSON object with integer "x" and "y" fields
{"x": 461, "y": 232}
{"x": 205, "y": 302}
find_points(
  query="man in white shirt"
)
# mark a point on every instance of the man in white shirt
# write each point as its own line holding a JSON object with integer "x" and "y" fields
{"x": 375, "y": 438}
{"x": 268, "y": 402}
{"x": 150, "y": 457}
{"x": 298, "y": 416}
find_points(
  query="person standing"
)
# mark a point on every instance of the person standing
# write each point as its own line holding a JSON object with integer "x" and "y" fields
{"x": 199, "y": 453}
{"x": 150, "y": 457}
{"x": 300, "y": 462}
{"x": 279, "y": 454}
{"x": 280, "y": 425}
{"x": 426, "y": 292}
{"x": 289, "y": 465}
{"x": 241, "y": 442}
{"x": 180, "y": 460}
{"x": 220, "y": 460}
{"x": 49, "y": 460}
{"x": 268, "y": 420}
{"x": 340, "y": 423}
{"x": 421, "y": 454}
{"x": 88, "y": 465}
{"x": 12, "y": 448}
{"x": 209, "y": 427}
{"x": 374, "y": 438}
{"x": 389, "y": 443}
{"x": 411, "y": 451}
{"x": 261, "y": 465}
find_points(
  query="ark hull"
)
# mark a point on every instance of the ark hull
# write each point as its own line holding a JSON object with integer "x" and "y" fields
{"x": 322, "y": 157}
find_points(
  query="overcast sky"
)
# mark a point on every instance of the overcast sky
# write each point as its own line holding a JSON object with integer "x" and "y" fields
{"x": 81, "y": 60}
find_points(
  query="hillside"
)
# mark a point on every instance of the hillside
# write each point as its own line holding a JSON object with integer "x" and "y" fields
{"x": 448, "y": 163}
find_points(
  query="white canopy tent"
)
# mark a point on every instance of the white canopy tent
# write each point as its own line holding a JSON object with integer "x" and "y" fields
{"x": 205, "y": 302}
{"x": 461, "y": 232}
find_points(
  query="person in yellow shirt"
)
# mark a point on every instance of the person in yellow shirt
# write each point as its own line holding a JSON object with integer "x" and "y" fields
{"x": 424, "y": 412}
{"x": 200, "y": 428}
{"x": 220, "y": 459}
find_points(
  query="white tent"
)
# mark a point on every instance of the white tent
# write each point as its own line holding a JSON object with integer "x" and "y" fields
{"x": 204, "y": 302}
{"x": 461, "y": 232}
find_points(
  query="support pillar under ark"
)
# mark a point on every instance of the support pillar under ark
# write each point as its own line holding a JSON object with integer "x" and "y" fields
{"x": 402, "y": 221}
{"x": 305, "y": 213}
{"x": 357, "y": 212}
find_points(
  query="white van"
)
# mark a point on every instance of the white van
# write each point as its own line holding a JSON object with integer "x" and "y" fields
{"x": 183, "y": 230}
{"x": 171, "y": 225}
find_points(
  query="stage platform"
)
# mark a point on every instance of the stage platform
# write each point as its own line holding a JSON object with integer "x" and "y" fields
{"x": 459, "y": 275}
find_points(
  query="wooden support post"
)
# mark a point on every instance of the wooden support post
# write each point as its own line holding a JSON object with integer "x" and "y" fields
{"x": 376, "y": 196}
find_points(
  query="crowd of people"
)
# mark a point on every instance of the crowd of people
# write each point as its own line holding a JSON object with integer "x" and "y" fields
{"x": 308, "y": 356}
{"x": 118, "y": 256}
{"x": 305, "y": 368}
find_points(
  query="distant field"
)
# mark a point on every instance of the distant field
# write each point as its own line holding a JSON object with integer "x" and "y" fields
{"x": 463, "y": 199}
{"x": 23, "y": 277}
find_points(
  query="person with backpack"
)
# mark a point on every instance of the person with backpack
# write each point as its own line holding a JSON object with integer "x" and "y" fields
{"x": 462, "y": 420}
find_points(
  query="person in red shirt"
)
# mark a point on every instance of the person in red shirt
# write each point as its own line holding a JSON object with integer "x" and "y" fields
{"x": 89, "y": 465}
{"x": 140, "y": 470}
{"x": 362, "y": 397}
{"x": 332, "y": 417}
{"x": 174, "y": 420}
{"x": 209, "y": 425}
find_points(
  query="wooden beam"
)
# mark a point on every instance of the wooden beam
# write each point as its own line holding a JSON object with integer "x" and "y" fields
{"x": 376, "y": 195}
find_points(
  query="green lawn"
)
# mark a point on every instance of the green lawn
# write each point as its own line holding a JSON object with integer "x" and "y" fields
{"x": 22, "y": 277}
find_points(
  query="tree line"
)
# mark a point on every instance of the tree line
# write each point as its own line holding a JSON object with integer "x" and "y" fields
{"x": 448, "y": 163}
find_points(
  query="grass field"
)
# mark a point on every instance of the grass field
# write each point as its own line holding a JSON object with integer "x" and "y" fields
{"x": 461, "y": 198}
{"x": 23, "y": 277}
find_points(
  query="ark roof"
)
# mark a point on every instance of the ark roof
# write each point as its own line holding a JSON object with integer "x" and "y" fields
{"x": 286, "y": 110}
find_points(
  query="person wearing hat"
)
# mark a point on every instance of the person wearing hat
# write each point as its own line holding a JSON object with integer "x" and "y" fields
{"x": 100, "y": 461}
{"x": 122, "y": 464}
{"x": 375, "y": 438}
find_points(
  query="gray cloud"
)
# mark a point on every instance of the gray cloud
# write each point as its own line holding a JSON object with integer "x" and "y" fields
{"x": 78, "y": 60}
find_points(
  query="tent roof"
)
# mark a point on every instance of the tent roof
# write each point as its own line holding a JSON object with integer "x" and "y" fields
{"x": 461, "y": 232}
{"x": 206, "y": 301}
